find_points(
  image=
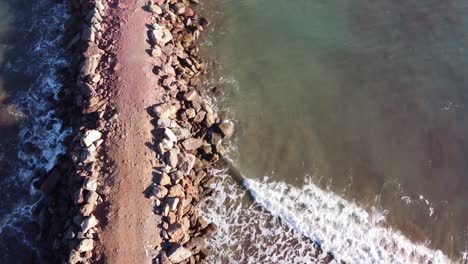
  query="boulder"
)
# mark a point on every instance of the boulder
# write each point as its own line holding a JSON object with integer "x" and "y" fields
{"x": 179, "y": 254}
{"x": 190, "y": 113}
{"x": 176, "y": 232}
{"x": 87, "y": 209}
{"x": 192, "y": 143}
{"x": 92, "y": 197}
{"x": 159, "y": 191}
{"x": 170, "y": 135}
{"x": 164, "y": 179}
{"x": 227, "y": 128}
{"x": 210, "y": 117}
{"x": 165, "y": 111}
{"x": 177, "y": 191}
{"x": 165, "y": 145}
{"x": 89, "y": 66}
{"x": 155, "y": 9}
{"x": 192, "y": 96}
{"x": 90, "y": 137}
{"x": 171, "y": 157}
{"x": 178, "y": 8}
{"x": 176, "y": 176}
{"x": 186, "y": 162}
{"x": 199, "y": 117}
{"x": 172, "y": 203}
{"x": 90, "y": 184}
{"x": 88, "y": 223}
{"x": 85, "y": 245}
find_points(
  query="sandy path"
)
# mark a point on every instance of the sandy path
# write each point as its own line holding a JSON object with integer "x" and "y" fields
{"x": 131, "y": 233}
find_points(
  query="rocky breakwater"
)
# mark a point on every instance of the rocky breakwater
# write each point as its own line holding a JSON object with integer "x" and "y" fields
{"x": 71, "y": 190}
{"x": 188, "y": 133}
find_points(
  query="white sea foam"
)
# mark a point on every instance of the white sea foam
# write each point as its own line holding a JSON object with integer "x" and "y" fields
{"x": 281, "y": 224}
{"x": 41, "y": 127}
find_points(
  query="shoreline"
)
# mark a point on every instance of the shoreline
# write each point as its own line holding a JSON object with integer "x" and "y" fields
{"x": 84, "y": 192}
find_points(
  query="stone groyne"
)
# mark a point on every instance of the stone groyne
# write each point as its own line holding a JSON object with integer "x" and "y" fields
{"x": 188, "y": 135}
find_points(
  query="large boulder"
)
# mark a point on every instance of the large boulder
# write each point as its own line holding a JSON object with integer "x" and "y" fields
{"x": 85, "y": 245}
{"x": 192, "y": 143}
{"x": 165, "y": 111}
{"x": 227, "y": 128}
{"x": 159, "y": 191}
{"x": 88, "y": 223}
{"x": 179, "y": 254}
{"x": 186, "y": 162}
{"x": 90, "y": 137}
{"x": 176, "y": 232}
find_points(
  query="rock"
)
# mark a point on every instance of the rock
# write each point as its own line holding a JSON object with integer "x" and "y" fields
{"x": 210, "y": 117}
{"x": 192, "y": 96}
{"x": 86, "y": 89}
{"x": 90, "y": 137}
{"x": 164, "y": 122}
{"x": 192, "y": 143}
{"x": 171, "y": 218}
{"x": 216, "y": 139}
{"x": 165, "y": 111}
{"x": 171, "y": 157}
{"x": 159, "y": 191}
{"x": 178, "y": 8}
{"x": 182, "y": 133}
{"x": 92, "y": 197}
{"x": 176, "y": 176}
{"x": 209, "y": 230}
{"x": 85, "y": 245}
{"x": 170, "y": 135}
{"x": 172, "y": 203}
{"x": 88, "y": 223}
{"x": 177, "y": 191}
{"x": 164, "y": 179}
{"x": 89, "y": 65}
{"x": 74, "y": 257}
{"x": 163, "y": 259}
{"x": 227, "y": 128}
{"x": 199, "y": 117}
{"x": 90, "y": 184}
{"x": 166, "y": 209}
{"x": 165, "y": 145}
{"x": 189, "y": 12}
{"x": 190, "y": 113}
{"x": 196, "y": 242}
{"x": 48, "y": 186}
{"x": 176, "y": 232}
{"x": 186, "y": 162}
{"x": 155, "y": 9}
{"x": 156, "y": 52}
{"x": 87, "y": 209}
{"x": 179, "y": 254}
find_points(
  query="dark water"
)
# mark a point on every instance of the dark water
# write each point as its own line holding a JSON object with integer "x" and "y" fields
{"x": 31, "y": 62}
{"x": 368, "y": 98}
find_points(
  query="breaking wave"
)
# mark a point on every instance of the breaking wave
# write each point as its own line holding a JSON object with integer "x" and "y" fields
{"x": 273, "y": 222}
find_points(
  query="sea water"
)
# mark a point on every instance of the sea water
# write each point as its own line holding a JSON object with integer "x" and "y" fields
{"x": 352, "y": 129}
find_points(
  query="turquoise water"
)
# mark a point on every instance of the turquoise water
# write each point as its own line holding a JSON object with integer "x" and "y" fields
{"x": 368, "y": 98}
